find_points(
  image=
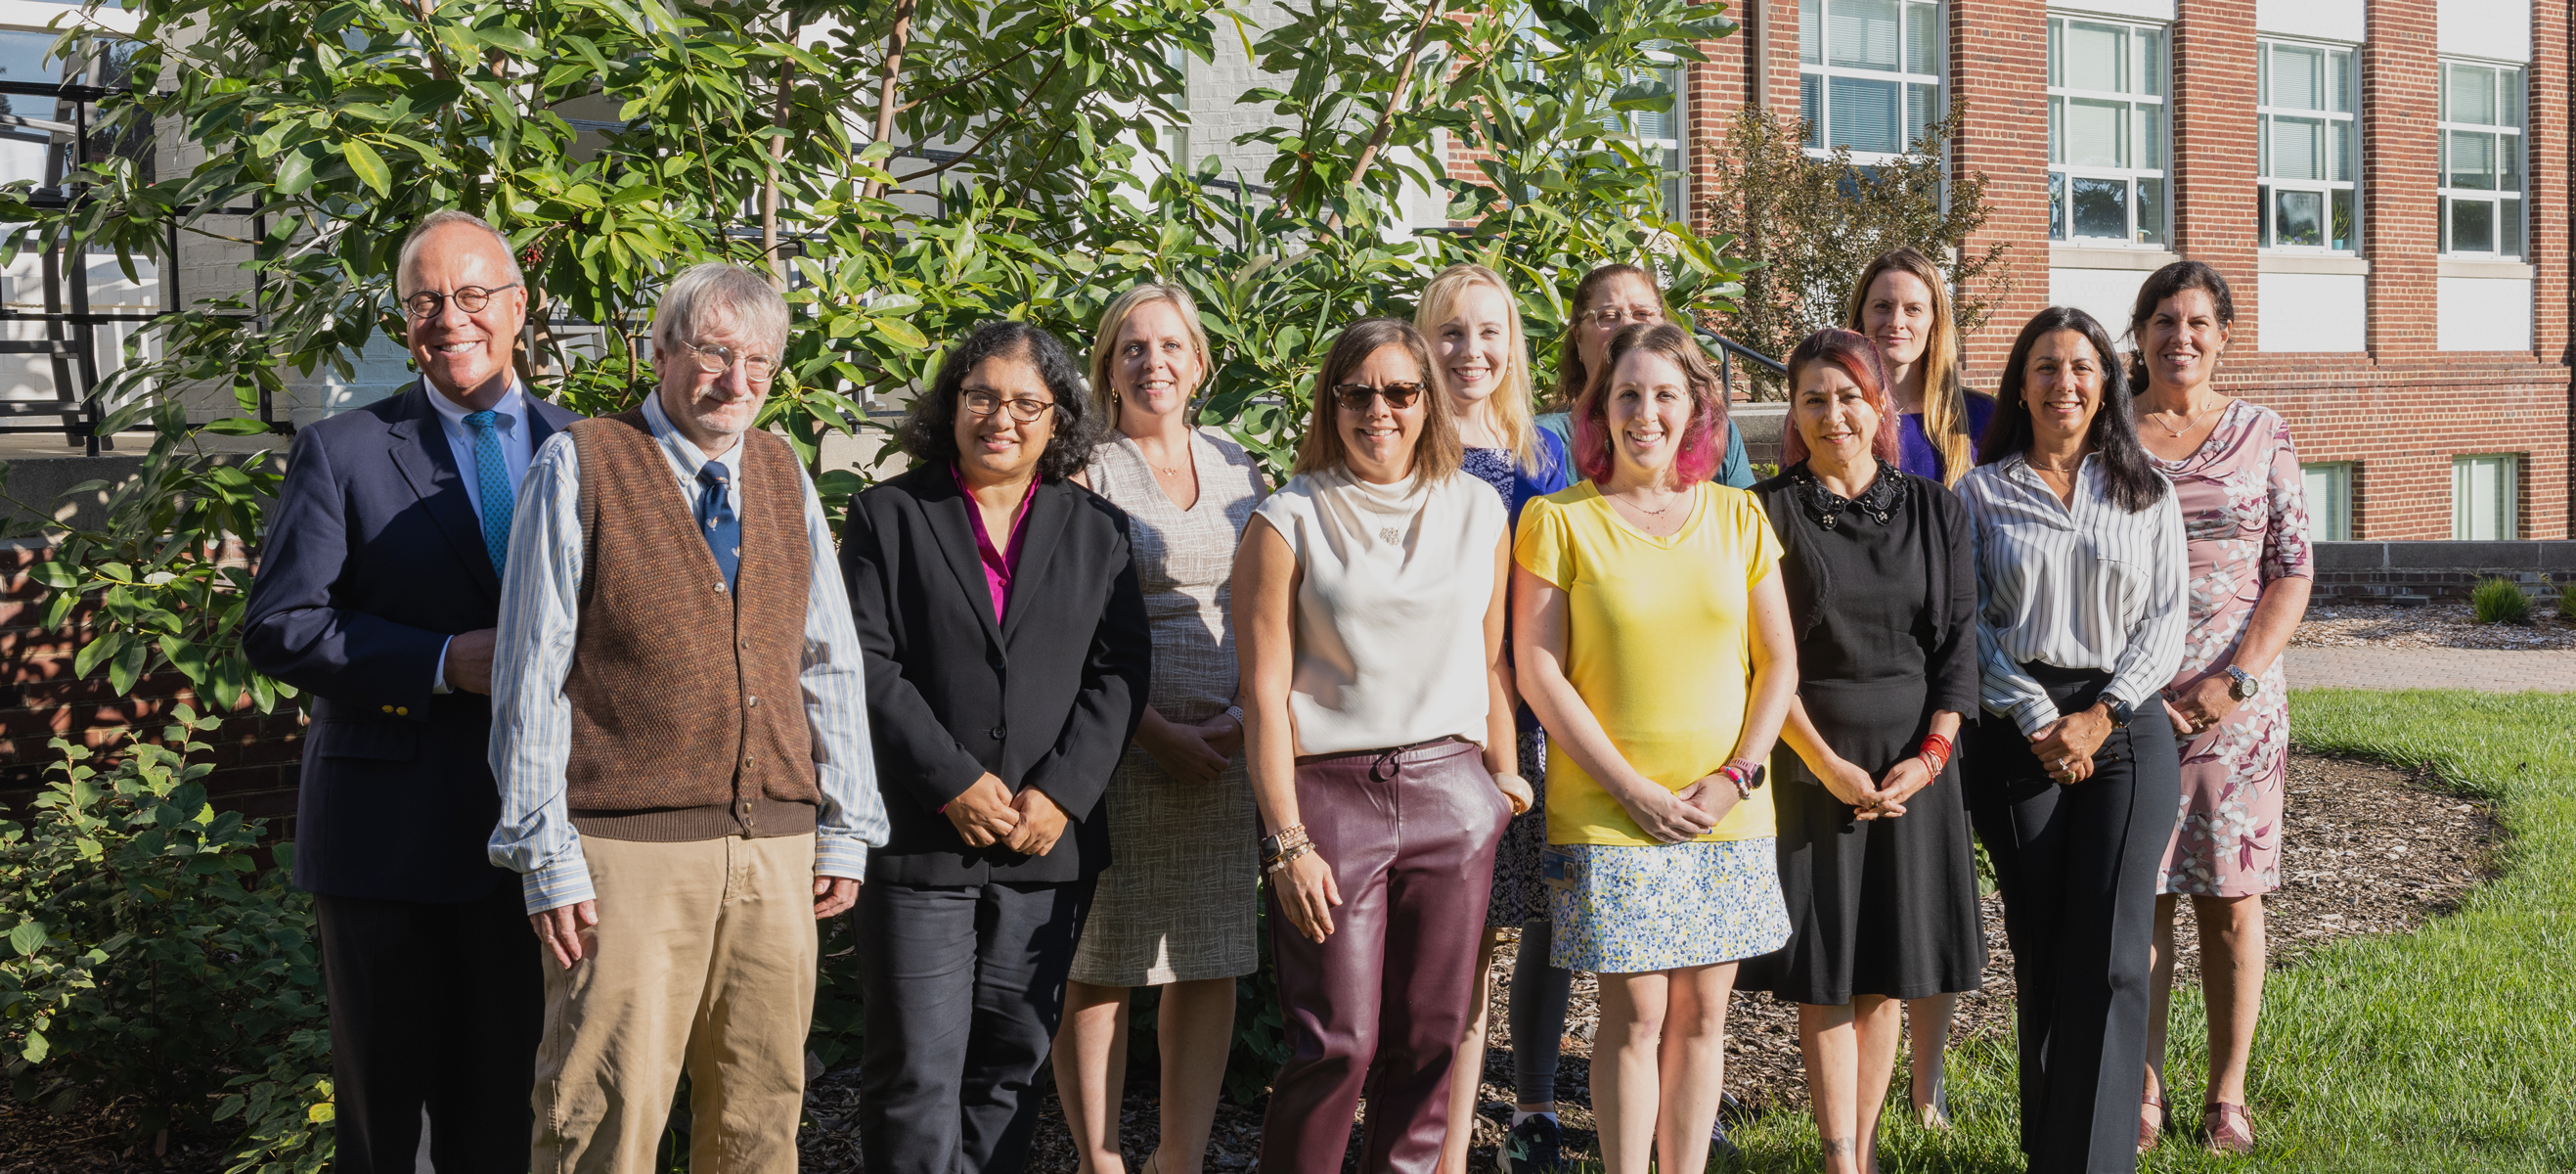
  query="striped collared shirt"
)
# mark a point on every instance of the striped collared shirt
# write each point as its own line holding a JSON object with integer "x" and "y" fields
{"x": 532, "y": 719}
{"x": 2087, "y": 586}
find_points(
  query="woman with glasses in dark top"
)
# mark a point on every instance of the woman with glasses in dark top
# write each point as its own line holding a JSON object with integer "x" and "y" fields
{"x": 1609, "y": 299}
{"x": 1369, "y": 599}
{"x": 2073, "y": 777}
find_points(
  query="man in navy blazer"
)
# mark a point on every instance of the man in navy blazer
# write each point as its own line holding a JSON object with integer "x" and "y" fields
{"x": 378, "y": 588}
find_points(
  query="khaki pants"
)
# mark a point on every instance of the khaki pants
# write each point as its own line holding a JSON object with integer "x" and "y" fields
{"x": 704, "y": 956}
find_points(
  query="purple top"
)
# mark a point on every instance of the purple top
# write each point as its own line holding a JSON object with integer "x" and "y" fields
{"x": 999, "y": 565}
{"x": 1917, "y": 454}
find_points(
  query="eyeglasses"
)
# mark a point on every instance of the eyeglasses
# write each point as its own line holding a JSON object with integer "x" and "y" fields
{"x": 471, "y": 299}
{"x": 1355, "y": 397}
{"x": 716, "y": 360}
{"x": 1641, "y": 317}
{"x": 1026, "y": 411}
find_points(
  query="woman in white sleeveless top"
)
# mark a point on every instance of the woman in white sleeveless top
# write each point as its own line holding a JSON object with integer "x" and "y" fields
{"x": 1369, "y": 597}
{"x": 1175, "y": 908}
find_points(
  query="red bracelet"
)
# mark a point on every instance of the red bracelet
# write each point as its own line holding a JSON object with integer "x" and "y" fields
{"x": 1935, "y": 751}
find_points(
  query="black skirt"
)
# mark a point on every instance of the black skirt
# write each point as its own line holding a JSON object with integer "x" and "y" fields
{"x": 1876, "y": 907}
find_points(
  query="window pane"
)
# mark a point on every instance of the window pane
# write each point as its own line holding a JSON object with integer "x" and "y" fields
{"x": 2096, "y": 56}
{"x": 2056, "y": 206}
{"x": 2057, "y": 130}
{"x": 22, "y": 59}
{"x": 2509, "y": 163}
{"x": 2442, "y": 221}
{"x": 2097, "y": 133}
{"x": 2469, "y": 160}
{"x": 2297, "y": 78}
{"x": 1863, "y": 112}
{"x": 2509, "y": 98}
{"x": 2301, "y": 219}
{"x": 2347, "y": 83}
{"x": 1811, "y": 107}
{"x": 1862, "y": 33}
{"x": 1922, "y": 38}
{"x": 2150, "y": 59}
{"x": 2341, "y": 165}
{"x": 2339, "y": 226}
{"x": 1922, "y": 109}
{"x": 2263, "y": 214}
{"x": 2150, "y": 124}
{"x": 2101, "y": 207}
{"x": 2329, "y": 494}
{"x": 2468, "y": 94}
{"x": 2472, "y": 226}
{"x": 2509, "y": 227}
{"x": 2298, "y": 148}
{"x": 1811, "y": 33}
{"x": 2056, "y": 52}
{"x": 2151, "y": 211}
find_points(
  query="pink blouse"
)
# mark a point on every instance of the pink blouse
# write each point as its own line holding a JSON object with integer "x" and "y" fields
{"x": 999, "y": 565}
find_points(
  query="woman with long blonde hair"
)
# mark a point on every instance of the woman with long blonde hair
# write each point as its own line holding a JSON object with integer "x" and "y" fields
{"x": 1480, "y": 364}
{"x": 1902, "y": 302}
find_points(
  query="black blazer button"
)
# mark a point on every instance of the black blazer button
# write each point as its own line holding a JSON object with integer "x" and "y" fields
{"x": 996, "y": 733}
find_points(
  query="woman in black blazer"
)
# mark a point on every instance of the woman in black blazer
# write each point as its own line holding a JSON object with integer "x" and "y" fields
{"x": 1007, "y": 653}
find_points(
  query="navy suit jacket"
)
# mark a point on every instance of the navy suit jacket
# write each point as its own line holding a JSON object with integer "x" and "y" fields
{"x": 374, "y": 557}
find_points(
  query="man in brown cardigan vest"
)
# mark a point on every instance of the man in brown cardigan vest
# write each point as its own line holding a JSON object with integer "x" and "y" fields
{"x": 680, "y": 738}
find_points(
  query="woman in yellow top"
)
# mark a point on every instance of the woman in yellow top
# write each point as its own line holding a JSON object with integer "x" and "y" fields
{"x": 1653, "y": 641}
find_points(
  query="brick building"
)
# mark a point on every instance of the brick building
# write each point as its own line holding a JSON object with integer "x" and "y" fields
{"x": 2384, "y": 183}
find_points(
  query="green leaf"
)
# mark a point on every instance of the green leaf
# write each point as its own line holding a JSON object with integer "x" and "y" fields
{"x": 28, "y": 938}
{"x": 36, "y": 1048}
{"x": 903, "y": 333}
{"x": 238, "y": 426}
{"x": 369, "y": 166}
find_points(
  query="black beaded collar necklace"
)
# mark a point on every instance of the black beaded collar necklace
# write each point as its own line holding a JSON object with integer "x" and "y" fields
{"x": 1880, "y": 501}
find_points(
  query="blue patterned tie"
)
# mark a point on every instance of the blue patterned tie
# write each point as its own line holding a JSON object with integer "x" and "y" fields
{"x": 716, "y": 520}
{"x": 492, "y": 485}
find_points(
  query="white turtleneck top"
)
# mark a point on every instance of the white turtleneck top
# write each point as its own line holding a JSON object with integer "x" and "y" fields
{"x": 1390, "y": 621}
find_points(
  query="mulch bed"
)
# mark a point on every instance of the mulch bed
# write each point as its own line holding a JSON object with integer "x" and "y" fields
{"x": 2370, "y": 850}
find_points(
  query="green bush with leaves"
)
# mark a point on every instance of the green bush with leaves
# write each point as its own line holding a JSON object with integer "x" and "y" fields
{"x": 2499, "y": 600}
{"x": 2567, "y": 601}
{"x": 153, "y": 962}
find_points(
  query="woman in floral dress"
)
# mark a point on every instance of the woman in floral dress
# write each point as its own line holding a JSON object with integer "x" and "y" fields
{"x": 2237, "y": 477}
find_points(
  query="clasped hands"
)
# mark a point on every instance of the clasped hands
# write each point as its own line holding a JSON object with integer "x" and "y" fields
{"x": 1190, "y": 754}
{"x": 1851, "y": 785}
{"x": 1687, "y": 814}
{"x": 2065, "y": 747}
{"x": 1028, "y": 823}
{"x": 2202, "y": 705}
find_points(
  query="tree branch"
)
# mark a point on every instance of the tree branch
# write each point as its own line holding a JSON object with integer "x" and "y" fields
{"x": 1394, "y": 100}
{"x": 890, "y": 79}
{"x": 1016, "y": 117}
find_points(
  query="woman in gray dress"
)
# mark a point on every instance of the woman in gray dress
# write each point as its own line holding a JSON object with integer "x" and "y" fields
{"x": 1175, "y": 907}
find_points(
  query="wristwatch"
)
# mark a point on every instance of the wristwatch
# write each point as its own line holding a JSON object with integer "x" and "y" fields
{"x": 2242, "y": 685}
{"x": 2120, "y": 711}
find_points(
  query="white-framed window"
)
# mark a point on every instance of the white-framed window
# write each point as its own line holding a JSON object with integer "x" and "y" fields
{"x": 2484, "y": 489}
{"x": 1659, "y": 134}
{"x": 1869, "y": 74}
{"x": 2482, "y": 159}
{"x": 2106, "y": 131}
{"x": 2329, "y": 494}
{"x": 2307, "y": 146}
{"x": 23, "y": 59}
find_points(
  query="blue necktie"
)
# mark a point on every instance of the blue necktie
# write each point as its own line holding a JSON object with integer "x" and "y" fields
{"x": 716, "y": 520}
{"x": 492, "y": 485}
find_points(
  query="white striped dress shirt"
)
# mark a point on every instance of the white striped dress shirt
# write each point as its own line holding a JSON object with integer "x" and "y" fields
{"x": 532, "y": 720}
{"x": 2090, "y": 586}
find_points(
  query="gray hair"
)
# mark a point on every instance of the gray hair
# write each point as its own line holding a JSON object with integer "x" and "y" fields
{"x": 438, "y": 220}
{"x": 713, "y": 291}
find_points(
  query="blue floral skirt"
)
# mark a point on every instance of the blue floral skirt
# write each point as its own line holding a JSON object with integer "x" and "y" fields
{"x": 1628, "y": 910}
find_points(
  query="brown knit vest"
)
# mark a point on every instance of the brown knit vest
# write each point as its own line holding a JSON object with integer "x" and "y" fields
{"x": 687, "y": 719}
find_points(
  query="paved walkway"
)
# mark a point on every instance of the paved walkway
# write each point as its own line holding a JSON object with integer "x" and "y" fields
{"x": 2493, "y": 670}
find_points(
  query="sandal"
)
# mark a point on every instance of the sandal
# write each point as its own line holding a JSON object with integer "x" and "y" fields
{"x": 2230, "y": 1128}
{"x": 2153, "y": 1119}
{"x": 1933, "y": 1112}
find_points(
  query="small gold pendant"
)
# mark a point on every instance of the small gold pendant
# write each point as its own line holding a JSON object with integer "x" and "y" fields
{"x": 1391, "y": 535}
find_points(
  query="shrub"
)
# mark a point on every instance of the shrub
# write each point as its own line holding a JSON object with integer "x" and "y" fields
{"x": 153, "y": 962}
{"x": 2567, "y": 601}
{"x": 2501, "y": 601}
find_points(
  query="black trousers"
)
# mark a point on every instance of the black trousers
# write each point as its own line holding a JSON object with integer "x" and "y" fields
{"x": 2077, "y": 865}
{"x": 434, "y": 1007}
{"x": 964, "y": 990}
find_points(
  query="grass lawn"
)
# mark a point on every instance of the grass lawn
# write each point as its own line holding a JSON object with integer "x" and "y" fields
{"x": 2450, "y": 1049}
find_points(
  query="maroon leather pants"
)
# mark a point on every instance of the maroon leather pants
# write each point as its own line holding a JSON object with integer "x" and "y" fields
{"x": 1379, "y": 1006}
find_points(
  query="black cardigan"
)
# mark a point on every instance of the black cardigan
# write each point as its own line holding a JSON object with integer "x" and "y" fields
{"x": 1048, "y": 698}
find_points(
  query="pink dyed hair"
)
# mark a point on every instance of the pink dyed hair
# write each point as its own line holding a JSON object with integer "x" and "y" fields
{"x": 1702, "y": 445}
{"x": 1858, "y": 356}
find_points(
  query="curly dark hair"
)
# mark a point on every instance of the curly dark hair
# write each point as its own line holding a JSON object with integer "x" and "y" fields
{"x": 929, "y": 431}
{"x": 2135, "y": 484}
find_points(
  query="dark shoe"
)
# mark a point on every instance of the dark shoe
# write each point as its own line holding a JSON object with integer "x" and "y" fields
{"x": 1534, "y": 1144}
{"x": 2231, "y": 1130}
{"x": 1718, "y": 1145}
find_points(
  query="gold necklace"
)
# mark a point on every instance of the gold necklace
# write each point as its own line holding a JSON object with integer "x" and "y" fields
{"x": 1669, "y": 503}
{"x": 2189, "y": 422}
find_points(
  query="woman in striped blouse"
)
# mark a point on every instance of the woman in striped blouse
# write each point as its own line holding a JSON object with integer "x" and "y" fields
{"x": 2080, "y": 618}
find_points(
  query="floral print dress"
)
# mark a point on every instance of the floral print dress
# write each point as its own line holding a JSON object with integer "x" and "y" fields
{"x": 2246, "y": 518}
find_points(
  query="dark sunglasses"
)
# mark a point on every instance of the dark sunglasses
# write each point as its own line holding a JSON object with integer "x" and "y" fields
{"x": 1355, "y": 397}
